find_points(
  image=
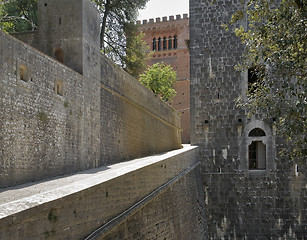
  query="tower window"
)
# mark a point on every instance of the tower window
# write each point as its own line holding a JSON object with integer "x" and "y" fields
{"x": 170, "y": 41}
{"x": 164, "y": 43}
{"x": 159, "y": 44}
{"x": 254, "y": 76}
{"x": 175, "y": 42}
{"x": 257, "y": 150}
{"x": 154, "y": 44}
{"x": 257, "y": 155}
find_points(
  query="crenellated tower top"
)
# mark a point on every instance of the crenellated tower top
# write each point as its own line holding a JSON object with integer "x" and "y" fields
{"x": 164, "y": 19}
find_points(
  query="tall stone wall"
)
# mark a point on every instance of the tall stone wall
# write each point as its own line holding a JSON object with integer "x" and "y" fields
{"x": 241, "y": 203}
{"x": 42, "y": 132}
{"x": 134, "y": 122}
{"x": 55, "y": 121}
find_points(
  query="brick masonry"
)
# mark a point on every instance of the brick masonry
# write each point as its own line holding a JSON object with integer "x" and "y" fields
{"x": 178, "y": 58}
{"x": 240, "y": 203}
{"x": 58, "y": 118}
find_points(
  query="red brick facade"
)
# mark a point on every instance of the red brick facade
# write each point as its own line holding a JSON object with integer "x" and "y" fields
{"x": 169, "y": 39}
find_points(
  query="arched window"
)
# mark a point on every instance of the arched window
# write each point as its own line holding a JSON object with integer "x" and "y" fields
{"x": 59, "y": 54}
{"x": 154, "y": 44}
{"x": 170, "y": 42}
{"x": 256, "y": 132}
{"x": 175, "y": 42}
{"x": 164, "y": 43}
{"x": 159, "y": 44}
{"x": 256, "y": 150}
{"x": 257, "y": 147}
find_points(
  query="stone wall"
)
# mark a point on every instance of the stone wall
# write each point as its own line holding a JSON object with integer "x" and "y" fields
{"x": 241, "y": 203}
{"x": 181, "y": 103}
{"x": 30, "y": 38}
{"x": 42, "y": 131}
{"x": 55, "y": 121}
{"x": 137, "y": 123}
{"x": 177, "y": 213}
{"x": 121, "y": 201}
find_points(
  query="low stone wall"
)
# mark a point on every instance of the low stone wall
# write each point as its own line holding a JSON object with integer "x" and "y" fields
{"x": 155, "y": 197}
{"x": 55, "y": 121}
{"x": 30, "y": 38}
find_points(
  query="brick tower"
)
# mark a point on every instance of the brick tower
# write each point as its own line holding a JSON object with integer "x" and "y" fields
{"x": 169, "y": 39}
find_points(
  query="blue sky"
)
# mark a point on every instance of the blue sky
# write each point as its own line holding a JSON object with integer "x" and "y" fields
{"x": 162, "y": 8}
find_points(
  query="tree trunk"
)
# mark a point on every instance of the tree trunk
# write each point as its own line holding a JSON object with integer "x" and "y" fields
{"x": 104, "y": 23}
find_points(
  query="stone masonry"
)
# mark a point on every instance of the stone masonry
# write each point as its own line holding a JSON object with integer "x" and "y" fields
{"x": 242, "y": 201}
{"x": 124, "y": 201}
{"x": 72, "y": 109}
{"x": 66, "y": 109}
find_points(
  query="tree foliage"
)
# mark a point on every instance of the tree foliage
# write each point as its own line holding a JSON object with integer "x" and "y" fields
{"x": 116, "y": 15}
{"x": 18, "y": 15}
{"x": 160, "y": 79}
{"x": 137, "y": 53}
{"x": 276, "y": 40}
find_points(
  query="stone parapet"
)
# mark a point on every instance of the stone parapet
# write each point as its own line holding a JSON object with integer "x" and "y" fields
{"x": 104, "y": 202}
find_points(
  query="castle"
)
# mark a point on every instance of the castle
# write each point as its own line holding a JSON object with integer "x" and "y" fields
{"x": 169, "y": 41}
{"x": 65, "y": 108}
{"x": 80, "y": 134}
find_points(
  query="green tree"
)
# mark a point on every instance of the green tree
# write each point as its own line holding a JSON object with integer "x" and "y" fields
{"x": 137, "y": 53}
{"x": 115, "y": 16}
{"x": 160, "y": 79}
{"x": 276, "y": 40}
{"x": 18, "y": 15}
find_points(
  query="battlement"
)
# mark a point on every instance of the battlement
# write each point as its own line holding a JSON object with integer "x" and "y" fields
{"x": 164, "y": 19}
